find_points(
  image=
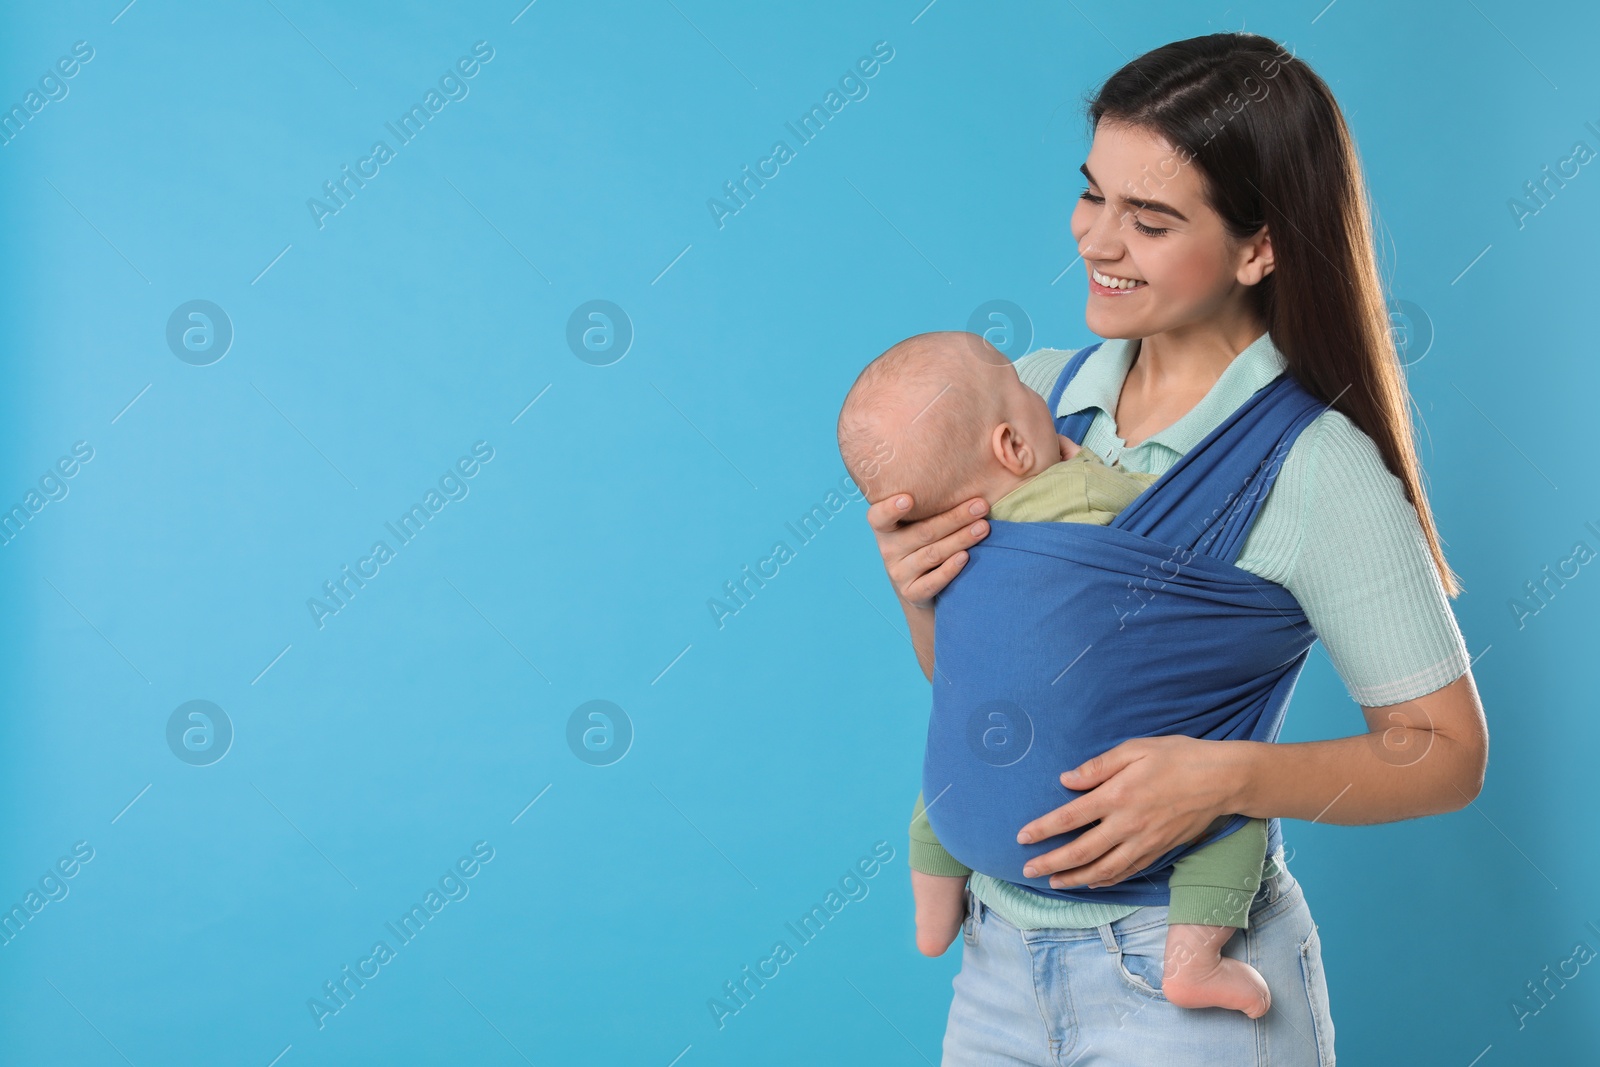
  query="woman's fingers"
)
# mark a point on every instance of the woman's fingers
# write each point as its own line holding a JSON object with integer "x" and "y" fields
{"x": 1092, "y": 772}
{"x": 930, "y": 584}
{"x": 1084, "y": 849}
{"x": 1089, "y": 811}
{"x": 921, "y": 557}
{"x": 1075, "y": 856}
{"x": 1139, "y": 800}
{"x": 1115, "y": 865}
{"x": 884, "y": 516}
{"x": 1096, "y": 857}
{"x": 1100, "y": 798}
{"x": 931, "y": 555}
{"x": 1086, "y": 809}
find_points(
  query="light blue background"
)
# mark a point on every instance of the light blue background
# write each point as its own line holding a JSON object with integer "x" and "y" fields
{"x": 771, "y": 754}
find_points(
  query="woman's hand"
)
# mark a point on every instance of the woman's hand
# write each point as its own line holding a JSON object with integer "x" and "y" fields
{"x": 1149, "y": 795}
{"x": 923, "y": 556}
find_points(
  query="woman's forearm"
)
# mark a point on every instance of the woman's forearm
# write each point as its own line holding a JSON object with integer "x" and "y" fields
{"x": 920, "y": 622}
{"x": 1393, "y": 773}
{"x": 922, "y": 557}
{"x": 1148, "y": 794}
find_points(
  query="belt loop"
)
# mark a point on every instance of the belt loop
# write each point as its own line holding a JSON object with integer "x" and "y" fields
{"x": 1276, "y": 862}
{"x": 1107, "y": 938}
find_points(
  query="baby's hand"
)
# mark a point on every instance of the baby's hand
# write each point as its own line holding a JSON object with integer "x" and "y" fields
{"x": 1069, "y": 447}
{"x": 941, "y": 907}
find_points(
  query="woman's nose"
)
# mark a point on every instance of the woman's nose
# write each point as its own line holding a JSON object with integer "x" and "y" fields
{"x": 1103, "y": 239}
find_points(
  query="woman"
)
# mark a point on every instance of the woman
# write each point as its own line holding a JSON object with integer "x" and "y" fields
{"x": 1225, "y": 233}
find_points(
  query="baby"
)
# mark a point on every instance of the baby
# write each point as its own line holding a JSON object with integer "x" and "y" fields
{"x": 944, "y": 417}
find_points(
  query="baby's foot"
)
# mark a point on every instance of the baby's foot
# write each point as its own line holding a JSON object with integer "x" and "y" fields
{"x": 1197, "y": 975}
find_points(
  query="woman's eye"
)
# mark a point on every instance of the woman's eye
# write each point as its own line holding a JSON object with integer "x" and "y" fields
{"x": 1148, "y": 231}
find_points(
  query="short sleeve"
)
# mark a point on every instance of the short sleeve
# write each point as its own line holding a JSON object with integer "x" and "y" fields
{"x": 1040, "y": 368}
{"x": 1360, "y": 566}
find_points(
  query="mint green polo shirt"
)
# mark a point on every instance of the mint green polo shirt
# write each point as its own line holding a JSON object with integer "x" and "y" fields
{"x": 1335, "y": 530}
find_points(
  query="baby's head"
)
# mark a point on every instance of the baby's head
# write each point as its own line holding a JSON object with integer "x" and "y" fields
{"x": 944, "y": 417}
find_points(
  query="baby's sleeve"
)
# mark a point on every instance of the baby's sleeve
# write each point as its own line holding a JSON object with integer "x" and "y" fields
{"x": 927, "y": 855}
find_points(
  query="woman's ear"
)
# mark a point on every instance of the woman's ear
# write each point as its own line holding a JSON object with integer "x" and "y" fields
{"x": 1256, "y": 258}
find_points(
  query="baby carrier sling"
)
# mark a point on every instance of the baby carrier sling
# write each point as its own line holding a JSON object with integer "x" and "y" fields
{"x": 1057, "y": 641}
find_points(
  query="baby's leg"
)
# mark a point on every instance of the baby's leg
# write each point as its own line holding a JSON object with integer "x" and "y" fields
{"x": 941, "y": 904}
{"x": 1212, "y": 889}
{"x": 938, "y": 886}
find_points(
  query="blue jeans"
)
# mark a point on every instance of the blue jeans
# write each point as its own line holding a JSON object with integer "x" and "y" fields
{"x": 1092, "y": 998}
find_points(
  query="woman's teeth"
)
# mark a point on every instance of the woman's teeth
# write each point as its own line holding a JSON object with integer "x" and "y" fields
{"x": 1114, "y": 283}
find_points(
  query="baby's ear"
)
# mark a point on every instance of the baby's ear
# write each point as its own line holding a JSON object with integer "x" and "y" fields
{"x": 1010, "y": 450}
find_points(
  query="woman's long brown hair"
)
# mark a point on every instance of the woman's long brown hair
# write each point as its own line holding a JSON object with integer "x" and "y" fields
{"x": 1273, "y": 150}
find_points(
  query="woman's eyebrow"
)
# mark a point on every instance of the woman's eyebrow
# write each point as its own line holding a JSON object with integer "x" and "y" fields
{"x": 1137, "y": 202}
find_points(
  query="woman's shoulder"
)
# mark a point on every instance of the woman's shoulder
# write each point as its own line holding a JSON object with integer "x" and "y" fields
{"x": 1333, "y": 453}
{"x": 1040, "y": 368}
{"x": 1339, "y": 532}
{"x": 1333, "y": 482}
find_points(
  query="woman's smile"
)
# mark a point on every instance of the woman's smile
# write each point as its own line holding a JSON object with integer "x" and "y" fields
{"x": 1111, "y": 285}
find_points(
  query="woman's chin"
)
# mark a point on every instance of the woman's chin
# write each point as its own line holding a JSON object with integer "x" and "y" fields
{"x": 1108, "y": 323}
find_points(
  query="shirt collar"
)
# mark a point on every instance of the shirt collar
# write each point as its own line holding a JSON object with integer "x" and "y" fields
{"x": 1098, "y": 384}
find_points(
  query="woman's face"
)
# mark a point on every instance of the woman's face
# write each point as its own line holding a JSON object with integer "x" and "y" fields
{"x": 1144, "y": 218}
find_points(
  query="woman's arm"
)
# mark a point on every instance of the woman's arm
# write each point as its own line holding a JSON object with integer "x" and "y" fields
{"x": 1362, "y": 572}
{"x": 919, "y": 620}
{"x": 922, "y": 557}
{"x": 1422, "y": 757}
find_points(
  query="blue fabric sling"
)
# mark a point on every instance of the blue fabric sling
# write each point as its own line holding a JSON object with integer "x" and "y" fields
{"x": 1057, "y": 641}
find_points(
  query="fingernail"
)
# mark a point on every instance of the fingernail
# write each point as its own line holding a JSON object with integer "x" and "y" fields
{"x": 902, "y": 502}
{"x": 1024, "y": 838}
{"x": 977, "y": 528}
{"x": 1030, "y": 872}
{"x": 976, "y": 508}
